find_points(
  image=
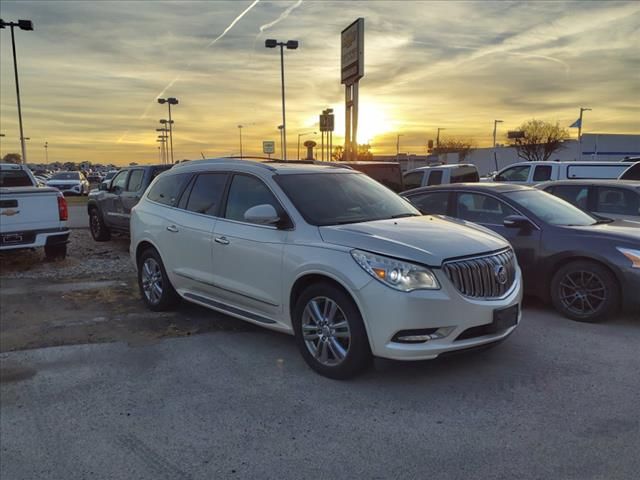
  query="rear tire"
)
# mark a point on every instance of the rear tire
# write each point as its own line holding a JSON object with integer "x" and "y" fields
{"x": 585, "y": 291}
{"x": 55, "y": 252}
{"x": 99, "y": 231}
{"x": 156, "y": 289}
{"x": 330, "y": 333}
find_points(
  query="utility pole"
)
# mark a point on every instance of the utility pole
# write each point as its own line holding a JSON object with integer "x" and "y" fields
{"x": 240, "y": 130}
{"x": 398, "y": 146}
{"x": 495, "y": 128}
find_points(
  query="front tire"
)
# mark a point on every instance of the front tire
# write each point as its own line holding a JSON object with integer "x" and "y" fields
{"x": 99, "y": 230}
{"x": 156, "y": 289}
{"x": 585, "y": 291}
{"x": 330, "y": 332}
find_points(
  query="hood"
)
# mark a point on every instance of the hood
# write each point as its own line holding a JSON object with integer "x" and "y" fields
{"x": 428, "y": 240}
{"x": 619, "y": 230}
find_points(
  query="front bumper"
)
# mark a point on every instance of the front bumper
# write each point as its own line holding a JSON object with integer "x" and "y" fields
{"x": 33, "y": 238}
{"x": 387, "y": 311}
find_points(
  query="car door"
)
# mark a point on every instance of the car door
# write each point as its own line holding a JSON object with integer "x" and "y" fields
{"x": 115, "y": 214}
{"x": 248, "y": 257}
{"x": 130, "y": 196}
{"x": 490, "y": 211}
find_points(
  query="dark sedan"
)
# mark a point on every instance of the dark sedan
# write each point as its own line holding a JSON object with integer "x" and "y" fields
{"x": 586, "y": 267}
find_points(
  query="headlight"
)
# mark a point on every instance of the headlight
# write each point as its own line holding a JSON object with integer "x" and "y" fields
{"x": 403, "y": 276}
{"x": 633, "y": 255}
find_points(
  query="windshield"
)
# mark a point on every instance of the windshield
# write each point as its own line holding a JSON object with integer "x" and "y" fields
{"x": 65, "y": 176}
{"x": 550, "y": 208}
{"x": 339, "y": 198}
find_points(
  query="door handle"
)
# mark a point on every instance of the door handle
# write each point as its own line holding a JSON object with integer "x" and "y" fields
{"x": 222, "y": 240}
{"x": 172, "y": 228}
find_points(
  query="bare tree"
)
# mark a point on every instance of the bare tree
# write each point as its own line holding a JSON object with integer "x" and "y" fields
{"x": 462, "y": 147}
{"x": 541, "y": 140}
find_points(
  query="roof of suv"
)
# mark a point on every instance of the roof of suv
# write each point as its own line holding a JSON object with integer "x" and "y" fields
{"x": 280, "y": 167}
{"x": 478, "y": 186}
{"x": 446, "y": 166}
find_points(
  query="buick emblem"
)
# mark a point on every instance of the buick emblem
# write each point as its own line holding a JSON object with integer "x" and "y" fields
{"x": 501, "y": 274}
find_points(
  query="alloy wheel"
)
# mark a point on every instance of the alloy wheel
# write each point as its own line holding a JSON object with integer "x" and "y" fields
{"x": 325, "y": 331}
{"x": 582, "y": 292}
{"x": 152, "y": 280}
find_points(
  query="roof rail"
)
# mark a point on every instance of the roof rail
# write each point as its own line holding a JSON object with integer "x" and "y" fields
{"x": 225, "y": 160}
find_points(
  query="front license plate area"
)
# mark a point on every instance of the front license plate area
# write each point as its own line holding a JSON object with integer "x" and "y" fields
{"x": 505, "y": 317}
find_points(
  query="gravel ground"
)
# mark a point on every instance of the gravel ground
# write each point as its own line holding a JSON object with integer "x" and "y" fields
{"x": 85, "y": 258}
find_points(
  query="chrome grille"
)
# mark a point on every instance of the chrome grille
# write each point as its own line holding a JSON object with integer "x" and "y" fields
{"x": 482, "y": 276}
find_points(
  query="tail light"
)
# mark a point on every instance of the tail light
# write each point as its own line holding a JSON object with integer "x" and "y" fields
{"x": 63, "y": 210}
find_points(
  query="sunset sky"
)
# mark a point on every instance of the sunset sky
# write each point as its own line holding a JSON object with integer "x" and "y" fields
{"x": 90, "y": 72}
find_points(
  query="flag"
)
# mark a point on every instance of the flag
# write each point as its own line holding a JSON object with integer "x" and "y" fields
{"x": 576, "y": 124}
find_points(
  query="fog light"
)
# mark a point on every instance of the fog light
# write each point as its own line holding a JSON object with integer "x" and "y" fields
{"x": 421, "y": 335}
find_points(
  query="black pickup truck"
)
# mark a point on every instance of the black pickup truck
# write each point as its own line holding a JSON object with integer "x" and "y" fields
{"x": 109, "y": 206}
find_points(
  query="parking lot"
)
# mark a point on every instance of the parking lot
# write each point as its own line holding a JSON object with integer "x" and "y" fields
{"x": 94, "y": 385}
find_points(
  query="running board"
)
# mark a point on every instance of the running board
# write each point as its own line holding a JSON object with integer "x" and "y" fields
{"x": 228, "y": 309}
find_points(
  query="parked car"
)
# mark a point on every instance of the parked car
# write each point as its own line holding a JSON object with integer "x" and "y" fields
{"x": 31, "y": 216}
{"x": 587, "y": 267}
{"x": 109, "y": 207}
{"x": 74, "y": 183}
{"x": 531, "y": 173}
{"x": 631, "y": 173}
{"x": 388, "y": 174}
{"x": 631, "y": 159}
{"x": 440, "y": 174}
{"x": 326, "y": 254}
{"x": 616, "y": 199}
{"x": 94, "y": 178}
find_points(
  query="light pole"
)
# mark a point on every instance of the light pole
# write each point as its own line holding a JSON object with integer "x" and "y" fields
{"x": 302, "y": 135}
{"x": 495, "y": 129}
{"x": 438, "y": 136}
{"x": 582, "y": 109}
{"x": 22, "y": 25}
{"x": 46, "y": 152}
{"x": 398, "y": 146}
{"x": 291, "y": 45}
{"x": 169, "y": 101}
{"x": 240, "y": 130}
{"x": 281, "y": 128}
{"x": 163, "y": 138}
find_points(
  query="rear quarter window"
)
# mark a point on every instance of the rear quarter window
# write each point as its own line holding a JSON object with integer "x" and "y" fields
{"x": 167, "y": 189}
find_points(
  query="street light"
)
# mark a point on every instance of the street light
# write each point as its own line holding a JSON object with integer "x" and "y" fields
{"x": 46, "y": 152}
{"x": 163, "y": 138}
{"x": 398, "y": 146}
{"x": 438, "y": 136}
{"x": 169, "y": 101}
{"x": 281, "y": 127}
{"x": 240, "y": 130}
{"x": 582, "y": 109}
{"x": 291, "y": 45}
{"x": 22, "y": 25}
{"x": 495, "y": 128}
{"x": 302, "y": 135}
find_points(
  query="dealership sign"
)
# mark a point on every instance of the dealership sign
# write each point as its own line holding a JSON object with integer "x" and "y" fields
{"x": 268, "y": 146}
{"x": 352, "y": 58}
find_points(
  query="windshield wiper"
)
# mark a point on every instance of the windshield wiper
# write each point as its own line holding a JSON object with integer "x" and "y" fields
{"x": 403, "y": 215}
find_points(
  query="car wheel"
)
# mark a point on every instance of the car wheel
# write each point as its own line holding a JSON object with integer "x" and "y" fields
{"x": 330, "y": 332}
{"x": 55, "y": 252}
{"x": 155, "y": 287}
{"x": 585, "y": 291}
{"x": 99, "y": 231}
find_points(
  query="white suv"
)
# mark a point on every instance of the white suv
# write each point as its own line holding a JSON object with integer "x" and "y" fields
{"x": 326, "y": 254}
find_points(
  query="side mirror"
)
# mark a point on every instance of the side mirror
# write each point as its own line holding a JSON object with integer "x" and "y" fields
{"x": 517, "y": 221}
{"x": 103, "y": 186}
{"x": 263, "y": 214}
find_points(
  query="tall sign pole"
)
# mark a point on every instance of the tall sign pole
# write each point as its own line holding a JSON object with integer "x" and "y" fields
{"x": 582, "y": 110}
{"x": 352, "y": 70}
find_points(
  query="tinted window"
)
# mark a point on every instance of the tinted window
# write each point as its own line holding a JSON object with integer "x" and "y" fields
{"x": 206, "y": 194}
{"x": 15, "y": 178}
{"x": 135, "y": 180}
{"x": 339, "y": 198}
{"x": 479, "y": 208}
{"x": 413, "y": 180}
{"x": 514, "y": 174}
{"x": 632, "y": 173}
{"x": 120, "y": 180}
{"x": 617, "y": 200}
{"x": 388, "y": 175}
{"x": 464, "y": 174}
{"x": 549, "y": 208}
{"x": 66, "y": 176}
{"x": 542, "y": 173}
{"x": 435, "y": 178}
{"x": 167, "y": 189}
{"x": 432, "y": 203}
{"x": 575, "y": 194}
{"x": 246, "y": 192}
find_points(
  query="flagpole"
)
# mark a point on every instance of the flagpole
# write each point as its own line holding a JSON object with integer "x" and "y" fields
{"x": 582, "y": 109}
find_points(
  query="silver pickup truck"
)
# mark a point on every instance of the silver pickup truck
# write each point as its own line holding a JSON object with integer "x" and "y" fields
{"x": 31, "y": 216}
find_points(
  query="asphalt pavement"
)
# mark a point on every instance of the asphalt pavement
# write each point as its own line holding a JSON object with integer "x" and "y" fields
{"x": 557, "y": 400}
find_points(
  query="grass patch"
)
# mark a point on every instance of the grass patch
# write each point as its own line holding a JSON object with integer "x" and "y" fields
{"x": 76, "y": 200}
